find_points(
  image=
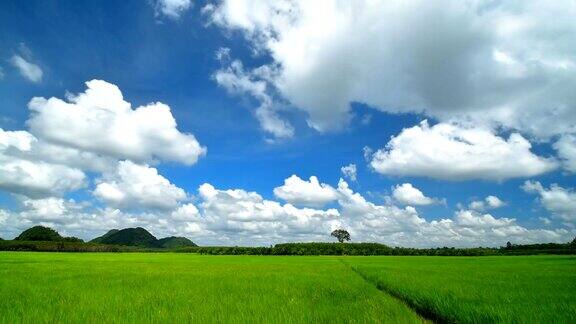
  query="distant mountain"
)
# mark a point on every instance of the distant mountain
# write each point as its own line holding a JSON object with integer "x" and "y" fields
{"x": 39, "y": 233}
{"x": 142, "y": 238}
{"x": 129, "y": 236}
{"x": 173, "y": 242}
{"x": 100, "y": 238}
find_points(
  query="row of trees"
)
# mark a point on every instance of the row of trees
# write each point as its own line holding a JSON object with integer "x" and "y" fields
{"x": 374, "y": 249}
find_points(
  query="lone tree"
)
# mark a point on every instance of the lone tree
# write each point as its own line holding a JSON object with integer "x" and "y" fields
{"x": 341, "y": 235}
{"x": 508, "y": 245}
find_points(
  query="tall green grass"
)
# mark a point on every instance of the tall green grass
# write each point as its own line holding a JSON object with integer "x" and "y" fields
{"x": 173, "y": 287}
{"x": 170, "y": 287}
{"x": 518, "y": 289}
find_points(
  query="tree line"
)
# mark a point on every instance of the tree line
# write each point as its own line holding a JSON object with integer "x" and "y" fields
{"x": 381, "y": 249}
{"x": 40, "y": 238}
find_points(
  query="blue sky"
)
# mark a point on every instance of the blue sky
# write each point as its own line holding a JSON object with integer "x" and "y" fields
{"x": 339, "y": 90}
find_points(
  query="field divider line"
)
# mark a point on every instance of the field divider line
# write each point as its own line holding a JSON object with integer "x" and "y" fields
{"x": 424, "y": 313}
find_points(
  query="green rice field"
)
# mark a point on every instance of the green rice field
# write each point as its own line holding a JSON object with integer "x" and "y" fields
{"x": 173, "y": 287}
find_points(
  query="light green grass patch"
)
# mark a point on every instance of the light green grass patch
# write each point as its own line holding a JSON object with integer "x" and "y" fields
{"x": 170, "y": 287}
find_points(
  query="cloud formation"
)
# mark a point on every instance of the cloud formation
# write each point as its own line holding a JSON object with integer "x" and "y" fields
{"x": 561, "y": 202}
{"x": 132, "y": 185}
{"x": 566, "y": 147}
{"x": 504, "y": 63}
{"x": 453, "y": 152}
{"x": 305, "y": 193}
{"x": 29, "y": 70}
{"x": 100, "y": 121}
{"x": 239, "y": 82}
{"x": 236, "y": 216}
{"x": 350, "y": 171}
{"x": 407, "y": 194}
{"x": 21, "y": 172}
{"x": 490, "y": 202}
{"x": 172, "y": 8}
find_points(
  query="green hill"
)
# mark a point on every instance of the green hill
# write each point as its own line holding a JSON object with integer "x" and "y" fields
{"x": 130, "y": 237}
{"x": 173, "y": 242}
{"x": 39, "y": 233}
{"x": 100, "y": 238}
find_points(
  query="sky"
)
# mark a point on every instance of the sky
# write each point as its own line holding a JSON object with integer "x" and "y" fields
{"x": 409, "y": 123}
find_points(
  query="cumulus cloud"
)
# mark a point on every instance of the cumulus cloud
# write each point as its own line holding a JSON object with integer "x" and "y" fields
{"x": 407, "y": 194}
{"x": 22, "y": 173}
{"x": 29, "y": 70}
{"x": 404, "y": 226}
{"x": 349, "y": 171}
{"x": 561, "y": 202}
{"x": 172, "y": 8}
{"x": 453, "y": 152}
{"x": 566, "y": 147}
{"x": 306, "y": 193}
{"x": 242, "y": 216}
{"x": 236, "y": 216}
{"x": 473, "y": 219}
{"x": 506, "y": 63}
{"x": 100, "y": 121}
{"x": 133, "y": 185}
{"x": 490, "y": 202}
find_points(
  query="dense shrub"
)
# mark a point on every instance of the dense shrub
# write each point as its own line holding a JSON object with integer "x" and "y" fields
{"x": 51, "y": 246}
{"x": 73, "y": 239}
{"x": 371, "y": 249}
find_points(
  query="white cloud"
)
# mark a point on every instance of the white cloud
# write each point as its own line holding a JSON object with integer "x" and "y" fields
{"x": 494, "y": 202}
{"x": 239, "y": 217}
{"x": 561, "y": 202}
{"x": 349, "y": 171}
{"x": 23, "y": 145}
{"x": 100, "y": 121}
{"x": 494, "y": 41}
{"x": 172, "y": 8}
{"x": 242, "y": 216}
{"x": 453, "y": 152}
{"x": 306, "y": 193}
{"x": 30, "y": 71}
{"x": 510, "y": 63}
{"x": 364, "y": 218}
{"x": 55, "y": 210}
{"x": 473, "y": 219}
{"x": 392, "y": 225}
{"x": 22, "y": 173}
{"x": 490, "y": 202}
{"x": 407, "y": 194}
{"x": 133, "y": 185}
{"x": 237, "y": 81}
{"x": 566, "y": 147}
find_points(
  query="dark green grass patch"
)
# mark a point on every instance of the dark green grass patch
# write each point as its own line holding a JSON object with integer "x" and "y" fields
{"x": 519, "y": 289}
